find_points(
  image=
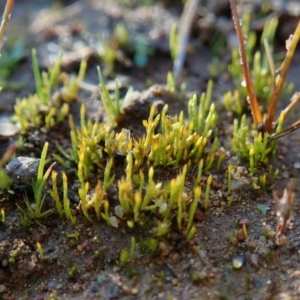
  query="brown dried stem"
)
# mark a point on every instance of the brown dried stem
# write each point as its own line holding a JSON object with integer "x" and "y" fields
{"x": 285, "y": 132}
{"x": 6, "y": 17}
{"x": 256, "y": 113}
{"x": 293, "y": 41}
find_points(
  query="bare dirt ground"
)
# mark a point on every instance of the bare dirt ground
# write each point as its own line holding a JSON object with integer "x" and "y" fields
{"x": 82, "y": 261}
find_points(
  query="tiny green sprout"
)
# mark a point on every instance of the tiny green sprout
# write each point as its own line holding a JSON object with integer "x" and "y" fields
{"x": 125, "y": 195}
{"x": 233, "y": 102}
{"x": 5, "y": 181}
{"x": 107, "y": 179}
{"x": 35, "y": 212}
{"x": 97, "y": 199}
{"x": 24, "y": 221}
{"x": 173, "y": 40}
{"x": 263, "y": 209}
{"x": 233, "y": 237}
{"x": 132, "y": 248}
{"x": 54, "y": 194}
{"x": 105, "y": 215}
{"x": 150, "y": 126}
{"x": 262, "y": 180}
{"x": 71, "y": 86}
{"x": 129, "y": 166}
{"x": 83, "y": 196}
{"x": 112, "y": 107}
{"x": 191, "y": 233}
{"x": 251, "y": 145}
{"x": 252, "y": 162}
{"x": 221, "y": 157}
{"x": 216, "y": 67}
{"x": 196, "y": 277}
{"x": 209, "y": 161}
{"x": 152, "y": 191}
{"x": 172, "y": 86}
{"x": 65, "y": 160}
{"x": 124, "y": 257}
{"x": 207, "y": 191}
{"x": 75, "y": 235}
{"x": 137, "y": 205}
{"x": 66, "y": 200}
{"x": 3, "y": 218}
{"x": 44, "y": 82}
{"x": 197, "y": 195}
{"x": 149, "y": 244}
{"x": 199, "y": 173}
{"x": 245, "y": 231}
{"x": 73, "y": 271}
{"x": 171, "y": 83}
{"x": 40, "y": 250}
{"x": 273, "y": 174}
{"x": 229, "y": 178}
{"x": 163, "y": 227}
{"x": 203, "y": 116}
{"x": 121, "y": 34}
{"x": 74, "y": 138}
{"x": 130, "y": 223}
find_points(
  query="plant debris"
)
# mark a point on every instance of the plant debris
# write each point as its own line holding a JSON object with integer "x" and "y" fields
{"x": 283, "y": 207}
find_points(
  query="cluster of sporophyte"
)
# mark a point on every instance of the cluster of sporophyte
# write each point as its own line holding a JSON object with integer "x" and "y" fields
{"x": 172, "y": 86}
{"x": 98, "y": 151}
{"x": 167, "y": 142}
{"x": 252, "y": 145}
{"x": 46, "y": 108}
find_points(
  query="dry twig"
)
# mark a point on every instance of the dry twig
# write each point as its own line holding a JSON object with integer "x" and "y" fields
{"x": 256, "y": 113}
{"x": 6, "y": 17}
{"x": 284, "y": 207}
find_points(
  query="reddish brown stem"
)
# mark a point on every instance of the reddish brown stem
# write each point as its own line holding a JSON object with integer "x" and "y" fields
{"x": 256, "y": 113}
{"x": 6, "y": 16}
{"x": 284, "y": 69}
{"x": 285, "y": 132}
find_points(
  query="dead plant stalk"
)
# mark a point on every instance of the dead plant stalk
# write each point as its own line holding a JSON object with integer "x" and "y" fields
{"x": 6, "y": 17}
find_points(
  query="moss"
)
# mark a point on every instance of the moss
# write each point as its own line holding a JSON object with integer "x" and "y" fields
{"x": 131, "y": 192}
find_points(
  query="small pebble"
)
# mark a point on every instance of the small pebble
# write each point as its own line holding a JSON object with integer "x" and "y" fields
{"x": 119, "y": 211}
{"x": 199, "y": 215}
{"x": 175, "y": 257}
{"x": 23, "y": 169}
{"x": 134, "y": 291}
{"x": 164, "y": 249}
{"x": 4, "y": 262}
{"x": 254, "y": 259}
{"x": 239, "y": 260}
{"x": 113, "y": 221}
{"x": 52, "y": 285}
{"x": 76, "y": 287}
{"x": 163, "y": 208}
{"x": 297, "y": 165}
{"x": 80, "y": 248}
